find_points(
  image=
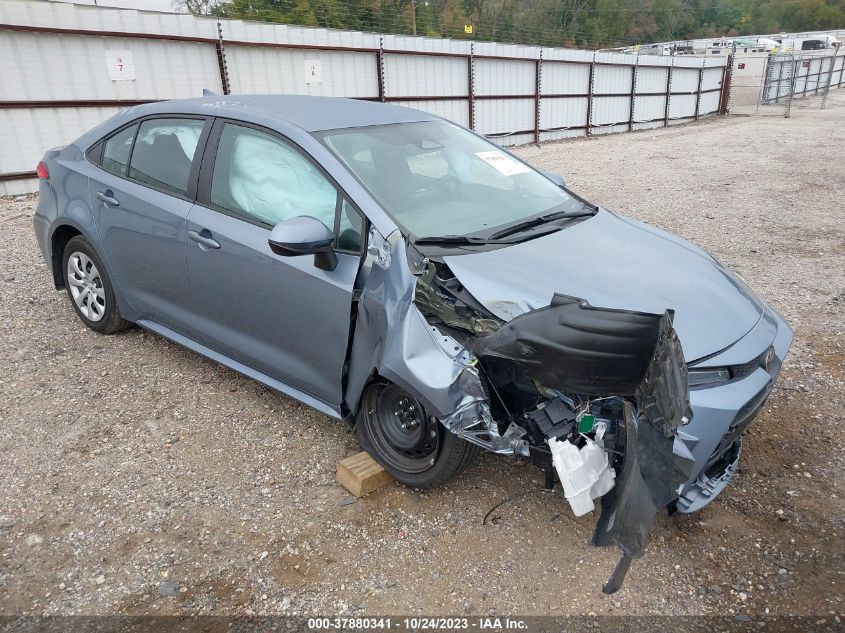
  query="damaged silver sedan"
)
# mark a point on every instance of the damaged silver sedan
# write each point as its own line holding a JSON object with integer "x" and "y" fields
{"x": 400, "y": 272}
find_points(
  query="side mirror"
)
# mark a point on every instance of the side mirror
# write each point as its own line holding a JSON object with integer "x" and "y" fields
{"x": 304, "y": 235}
{"x": 555, "y": 178}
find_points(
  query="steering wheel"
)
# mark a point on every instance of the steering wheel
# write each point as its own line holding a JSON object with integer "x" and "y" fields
{"x": 448, "y": 182}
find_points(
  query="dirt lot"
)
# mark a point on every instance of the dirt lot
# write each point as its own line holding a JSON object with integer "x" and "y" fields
{"x": 138, "y": 477}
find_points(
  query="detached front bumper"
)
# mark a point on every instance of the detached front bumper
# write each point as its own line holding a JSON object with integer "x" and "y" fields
{"x": 722, "y": 413}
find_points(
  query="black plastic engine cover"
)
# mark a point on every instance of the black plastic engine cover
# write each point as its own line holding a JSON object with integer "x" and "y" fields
{"x": 573, "y": 347}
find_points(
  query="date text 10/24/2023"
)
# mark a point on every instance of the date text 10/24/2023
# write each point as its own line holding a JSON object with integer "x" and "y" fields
{"x": 418, "y": 623}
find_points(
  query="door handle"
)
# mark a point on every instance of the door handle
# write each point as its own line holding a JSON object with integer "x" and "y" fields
{"x": 108, "y": 198}
{"x": 203, "y": 238}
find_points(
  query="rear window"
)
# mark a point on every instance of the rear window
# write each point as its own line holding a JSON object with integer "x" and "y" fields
{"x": 164, "y": 152}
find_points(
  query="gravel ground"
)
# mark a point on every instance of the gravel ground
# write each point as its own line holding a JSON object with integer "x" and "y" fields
{"x": 141, "y": 478}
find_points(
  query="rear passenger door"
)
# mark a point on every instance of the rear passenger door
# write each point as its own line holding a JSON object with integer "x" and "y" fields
{"x": 141, "y": 197}
{"x": 282, "y": 316}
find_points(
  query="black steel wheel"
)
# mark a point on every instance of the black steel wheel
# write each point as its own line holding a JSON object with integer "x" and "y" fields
{"x": 395, "y": 429}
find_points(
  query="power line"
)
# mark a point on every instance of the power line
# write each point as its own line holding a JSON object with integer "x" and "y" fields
{"x": 556, "y": 28}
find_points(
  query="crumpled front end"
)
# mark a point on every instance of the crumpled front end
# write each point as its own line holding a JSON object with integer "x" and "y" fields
{"x": 599, "y": 393}
{"x": 628, "y": 358}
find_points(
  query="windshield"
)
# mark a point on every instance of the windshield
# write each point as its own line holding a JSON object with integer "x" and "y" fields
{"x": 435, "y": 178}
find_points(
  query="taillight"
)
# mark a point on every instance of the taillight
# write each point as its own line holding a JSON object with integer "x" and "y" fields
{"x": 41, "y": 170}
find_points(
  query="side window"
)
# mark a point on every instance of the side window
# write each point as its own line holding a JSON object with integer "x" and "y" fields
{"x": 117, "y": 149}
{"x": 164, "y": 151}
{"x": 263, "y": 178}
{"x": 350, "y": 229}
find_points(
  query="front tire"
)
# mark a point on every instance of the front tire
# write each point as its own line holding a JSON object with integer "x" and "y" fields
{"x": 89, "y": 288}
{"x": 415, "y": 448}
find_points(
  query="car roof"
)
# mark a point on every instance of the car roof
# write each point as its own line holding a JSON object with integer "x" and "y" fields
{"x": 312, "y": 114}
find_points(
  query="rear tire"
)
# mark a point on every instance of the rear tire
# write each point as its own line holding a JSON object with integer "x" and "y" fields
{"x": 415, "y": 448}
{"x": 89, "y": 288}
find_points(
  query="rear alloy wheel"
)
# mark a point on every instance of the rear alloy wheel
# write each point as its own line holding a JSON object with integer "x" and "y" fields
{"x": 89, "y": 288}
{"x": 394, "y": 428}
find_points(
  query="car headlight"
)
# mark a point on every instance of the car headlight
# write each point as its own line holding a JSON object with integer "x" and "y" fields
{"x": 703, "y": 377}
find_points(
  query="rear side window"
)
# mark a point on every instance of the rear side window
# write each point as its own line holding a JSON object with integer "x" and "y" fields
{"x": 164, "y": 152}
{"x": 117, "y": 149}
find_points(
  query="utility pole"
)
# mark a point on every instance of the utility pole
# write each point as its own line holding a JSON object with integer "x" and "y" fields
{"x": 413, "y": 5}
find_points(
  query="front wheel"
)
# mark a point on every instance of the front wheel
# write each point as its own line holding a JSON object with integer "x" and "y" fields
{"x": 394, "y": 428}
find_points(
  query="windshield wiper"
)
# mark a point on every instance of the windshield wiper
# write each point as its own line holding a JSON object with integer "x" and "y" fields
{"x": 543, "y": 219}
{"x": 449, "y": 240}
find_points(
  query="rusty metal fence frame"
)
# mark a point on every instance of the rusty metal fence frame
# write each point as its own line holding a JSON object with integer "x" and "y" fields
{"x": 472, "y": 96}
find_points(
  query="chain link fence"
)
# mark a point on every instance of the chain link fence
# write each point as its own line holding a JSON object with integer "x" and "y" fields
{"x": 790, "y": 76}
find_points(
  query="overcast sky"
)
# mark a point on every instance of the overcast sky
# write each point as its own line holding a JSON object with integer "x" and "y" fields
{"x": 150, "y": 5}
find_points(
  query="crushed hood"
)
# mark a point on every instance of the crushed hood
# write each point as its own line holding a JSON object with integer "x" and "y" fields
{"x": 615, "y": 262}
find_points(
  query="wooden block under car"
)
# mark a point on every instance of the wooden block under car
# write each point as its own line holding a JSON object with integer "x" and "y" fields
{"x": 360, "y": 474}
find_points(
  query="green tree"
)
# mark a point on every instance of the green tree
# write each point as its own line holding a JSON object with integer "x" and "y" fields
{"x": 584, "y": 23}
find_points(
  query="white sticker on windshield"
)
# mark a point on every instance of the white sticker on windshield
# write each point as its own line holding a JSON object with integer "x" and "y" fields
{"x": 503, "y": 163}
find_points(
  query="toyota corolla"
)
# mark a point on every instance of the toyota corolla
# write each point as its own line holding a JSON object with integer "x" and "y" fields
{"x": 404, "y": 274}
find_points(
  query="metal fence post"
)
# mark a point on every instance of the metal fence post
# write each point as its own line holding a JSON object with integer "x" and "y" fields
{"x": 794, "y": 67}
{"x": 829, "y": 79}
{"x": 668, "y": 93}
{"x": 727, "y": 80}
{"x": 588, "y": 126}
{"x": 221, "y": 60}
{"x": 471, "y": 85}
{"x": 380, "y": 68}
{"x": 698, "y": 92}
{"x": 538, "y": 70}
{"x": 633, "y": 93}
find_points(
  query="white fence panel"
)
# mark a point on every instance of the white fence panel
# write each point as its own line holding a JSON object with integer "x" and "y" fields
{"x": 424, "y": 44}
{"x": 505, "y": 116}
{"x": 709, "y": 102}
{"x": 504, "y": 77}
{"x": 72, "y": 16}
{"x": 684, "y": 79}
{"x": 453, "y": 109}
{"x": 651, "y": 79}
{"x": 341, "y": 73}
{"x": 415, "y": 75}
{"x": 563, "y": 113}
{"x": 612, "y": 79}
{"x": 712, "y": 78}
{"x": 507, "y": 140}
{"x": 610, "y": 110}
{"x": 610, "y": 129}
{"x": 649, "y": 108}
{"x": 241, "y": 31}
{"x": 44, "y": 67}
{"x": 32, "y": 131}
{"x": 559, "y": 78}
{"x": 681, "y": 106}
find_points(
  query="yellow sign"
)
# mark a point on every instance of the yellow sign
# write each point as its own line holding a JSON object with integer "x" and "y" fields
{"x": 468, "y": 28}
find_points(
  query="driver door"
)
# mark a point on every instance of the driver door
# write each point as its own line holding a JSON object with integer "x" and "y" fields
{"x": 281, "y": 316}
